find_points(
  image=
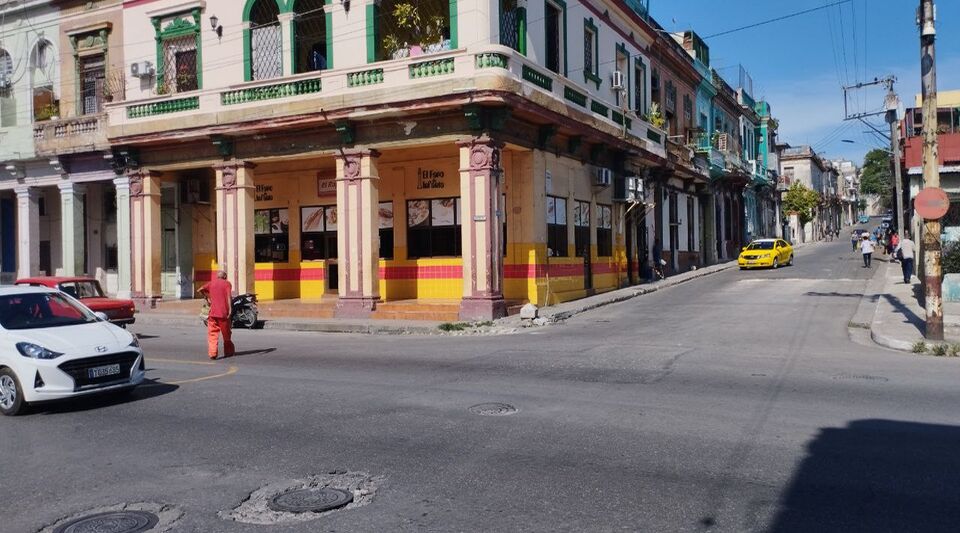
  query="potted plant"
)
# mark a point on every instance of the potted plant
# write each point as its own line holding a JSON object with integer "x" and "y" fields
{"x": 417, "y": 26}
{"x": 49, "y": 112}
{"x": 655, "y": 116}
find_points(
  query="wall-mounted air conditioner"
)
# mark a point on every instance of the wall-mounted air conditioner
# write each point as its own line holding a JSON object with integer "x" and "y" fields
{"x": 617, "y": 82}
{"x": 141, "y": 69}
{"x": 602, "y": 177}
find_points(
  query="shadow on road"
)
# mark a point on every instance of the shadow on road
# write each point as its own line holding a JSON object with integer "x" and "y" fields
{"x": 262, "y": 351}
{"x": 876, "y": 475}
{"x": 146, "y": 390}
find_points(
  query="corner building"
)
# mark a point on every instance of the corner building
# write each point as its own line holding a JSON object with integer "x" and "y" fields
{"x": 315, "y": 154}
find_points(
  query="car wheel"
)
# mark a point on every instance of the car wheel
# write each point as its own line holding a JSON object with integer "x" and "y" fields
{"x": 790, "y": 261}
{"x": 11, "y": 394}
{"x": 776, "y": 262}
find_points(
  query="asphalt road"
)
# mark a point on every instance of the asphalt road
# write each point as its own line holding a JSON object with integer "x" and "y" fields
{"x": 734, "y": 402}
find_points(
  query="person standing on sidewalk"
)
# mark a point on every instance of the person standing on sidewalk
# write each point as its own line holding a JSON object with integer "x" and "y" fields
{"x": 906, "y": 252}
{"x": 219, "y": 293}
{"x": 866, "y": 248}
{"x": 854, "y": 240}
{"x": 894, "y": 245}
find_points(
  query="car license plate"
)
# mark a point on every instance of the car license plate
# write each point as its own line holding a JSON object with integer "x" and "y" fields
{"x": 751, "y": 262}
{"x": 101, "y": 371}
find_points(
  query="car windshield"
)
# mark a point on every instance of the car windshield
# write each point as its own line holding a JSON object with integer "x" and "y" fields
{"x": 82, "y": 289}
{"x": 41, "y": 310}
{"x": 761, "y": 245}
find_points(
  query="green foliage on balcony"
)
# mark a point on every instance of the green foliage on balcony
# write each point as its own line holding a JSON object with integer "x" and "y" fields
{"x": 599, "y": 108}
{"x": 490, "y": 59}
{"x": 537, "y": 78}
{"x": 437, "y": 67}
{"x": 365, "y": 77}
{"x": 575, "y": 96}
{"x": 270, "y": 92}
{"x": 161, "y": 108}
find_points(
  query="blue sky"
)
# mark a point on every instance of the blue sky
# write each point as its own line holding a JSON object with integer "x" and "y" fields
{"x": 799, "y": 64}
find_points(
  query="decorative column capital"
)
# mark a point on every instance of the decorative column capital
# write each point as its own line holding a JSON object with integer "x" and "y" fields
{"x": 136, "y": 180}
{"x": 484, "y": 154}
{"x": 352, "y": 163}
{"x": 122, "y": 183}
{"x": 27, "y": 192}
{"x": 69, "y": 187}
{"x": 228, "y": 172}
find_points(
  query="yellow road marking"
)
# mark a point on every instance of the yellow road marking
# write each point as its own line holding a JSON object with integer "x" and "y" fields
{"x": 230, "y": 371}
{"x": 180, "y": 361}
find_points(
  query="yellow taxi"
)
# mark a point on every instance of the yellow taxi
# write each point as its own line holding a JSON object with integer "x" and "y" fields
{"x": 766, "y": 253}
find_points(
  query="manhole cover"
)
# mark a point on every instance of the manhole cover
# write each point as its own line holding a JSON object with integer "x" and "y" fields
{"x": 314, "y": 500}
{"x": 493, "y": 409}
{"x": 112, "y": 522}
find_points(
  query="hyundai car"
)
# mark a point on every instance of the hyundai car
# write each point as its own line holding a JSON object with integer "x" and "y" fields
{"x": 52, "y": 347}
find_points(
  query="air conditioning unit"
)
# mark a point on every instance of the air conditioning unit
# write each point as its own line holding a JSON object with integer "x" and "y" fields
{"x": 634, "y": 189}
{"x": 617, "y": 84}
{"x": 141, "y": 69}
{"x": 5, "y": 83}
{"x": 603, "y": 177}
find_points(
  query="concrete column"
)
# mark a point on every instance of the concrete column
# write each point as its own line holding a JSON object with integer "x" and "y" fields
{"x": 481, "y": 178}
{"x": 71, "y": 228}
{"x": 709, "y": 228}
{"x": 358, "y": 234}
{"x": 235, "y": 196}
{"x": 145, "y": 236}
{"x": 124, "y": 250}
{"x": 93, "y": 215}
{"x": 28, "y": 231}
{"x": 286, "y": 39}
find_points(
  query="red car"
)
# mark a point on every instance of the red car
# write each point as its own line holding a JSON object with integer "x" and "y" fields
{"x": 88, "y": 291}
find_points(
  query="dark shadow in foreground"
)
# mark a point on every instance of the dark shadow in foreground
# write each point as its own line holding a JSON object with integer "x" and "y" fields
{"x": 876, "y": 475}
{"x": 148, "y": 389}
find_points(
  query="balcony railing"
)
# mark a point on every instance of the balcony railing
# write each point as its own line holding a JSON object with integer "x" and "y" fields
{"x": 70, "y": 135}
{"x": 396, "y": 79}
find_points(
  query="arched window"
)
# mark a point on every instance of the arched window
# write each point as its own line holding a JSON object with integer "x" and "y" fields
{"x": 310, "y": 37}
{"x": 42, "y": 65}
{"x": 264, "y": 43}
{"x": 8, "y": 107}
{"x": 411, "y": 27}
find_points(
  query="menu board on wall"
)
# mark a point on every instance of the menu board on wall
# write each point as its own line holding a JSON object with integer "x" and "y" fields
{"x": 444, "y": 212}
{"x": 311, "y": 219}
{"x": 386, "y": 215}
{"x": 331, "y": 218}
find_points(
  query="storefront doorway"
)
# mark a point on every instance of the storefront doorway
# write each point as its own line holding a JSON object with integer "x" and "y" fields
{"x": 176, "y": 260}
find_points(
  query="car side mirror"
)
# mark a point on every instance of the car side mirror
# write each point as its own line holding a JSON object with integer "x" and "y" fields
{"x": 744, "y": 249}
{"x": 102, "y": 316}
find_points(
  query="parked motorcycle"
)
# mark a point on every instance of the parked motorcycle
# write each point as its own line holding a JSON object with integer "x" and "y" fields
{"x": 243, "y": 313}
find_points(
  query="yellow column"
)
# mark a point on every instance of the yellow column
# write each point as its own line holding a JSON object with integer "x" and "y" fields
{"x": 145, "y": 235}
{"x": 482, "y": 229}
{"x": 235, "y": 197}
{"x": 358, "y": 235}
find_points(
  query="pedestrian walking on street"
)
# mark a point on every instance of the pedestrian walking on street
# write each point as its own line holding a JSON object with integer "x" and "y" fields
{"x": 854, "y": 240}
{"x": 219, "y": 293}
{"x": 866, "y": 248}
{"x": 906, "y": 253}
{"x": 894, "y": 245}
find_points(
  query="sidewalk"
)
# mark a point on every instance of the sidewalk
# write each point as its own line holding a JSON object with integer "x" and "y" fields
{"x": 892, "y": 311}
{"x": 548, "y": 315}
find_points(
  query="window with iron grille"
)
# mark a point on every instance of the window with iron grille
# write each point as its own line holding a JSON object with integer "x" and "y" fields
{"x": 513, "y": 25}
{"x": 266, "y": 48}
{"x": 589, "y": 60}
{"x": 92, "y": 79}
{"x": 671, "y": 96}
{"x": 604, "y": 230}
{"x": 310, "y": 36}
{"x": 581, "y": 228}
{"x": 180, "y": 61}
{"x": 687, "y": 110}
{"x": 655, "y": 86}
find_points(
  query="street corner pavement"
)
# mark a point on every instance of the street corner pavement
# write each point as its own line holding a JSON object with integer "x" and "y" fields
{"x": 894, "y": 313}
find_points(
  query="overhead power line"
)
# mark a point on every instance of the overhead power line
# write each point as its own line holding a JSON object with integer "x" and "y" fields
{"x": 777, "y": 19}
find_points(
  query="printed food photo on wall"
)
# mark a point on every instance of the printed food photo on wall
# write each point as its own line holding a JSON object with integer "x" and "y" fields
{"x": 312, "y": 220}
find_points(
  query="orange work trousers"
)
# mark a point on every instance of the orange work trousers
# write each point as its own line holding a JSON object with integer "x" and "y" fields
{"x": 215, "y": 327}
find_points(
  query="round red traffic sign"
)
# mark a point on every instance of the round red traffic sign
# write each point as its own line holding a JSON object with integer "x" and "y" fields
{"x": 931, "y": 203}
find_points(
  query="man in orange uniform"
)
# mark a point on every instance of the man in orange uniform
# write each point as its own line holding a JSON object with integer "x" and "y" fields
{"x": 219, "y": 293}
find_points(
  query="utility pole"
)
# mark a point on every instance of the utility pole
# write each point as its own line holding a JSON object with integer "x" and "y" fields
{"x": 931, "y": 171}
{"x": 893, "y": 106}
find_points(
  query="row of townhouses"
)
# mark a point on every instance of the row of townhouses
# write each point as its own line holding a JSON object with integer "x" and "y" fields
{"x": 473, "y": 153}
{"x": 836, "y": 181}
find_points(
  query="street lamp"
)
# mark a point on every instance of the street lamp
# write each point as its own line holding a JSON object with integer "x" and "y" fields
{"x": 849, "y": 141}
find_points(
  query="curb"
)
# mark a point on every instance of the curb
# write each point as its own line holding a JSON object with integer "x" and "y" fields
{"x": 298, "y": 325}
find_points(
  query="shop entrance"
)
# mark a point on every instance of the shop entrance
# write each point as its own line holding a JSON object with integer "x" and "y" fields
{"x": 176, "y": 272}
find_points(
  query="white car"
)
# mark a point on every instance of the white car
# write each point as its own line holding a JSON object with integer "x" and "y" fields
{"x": 53, "y": 348}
